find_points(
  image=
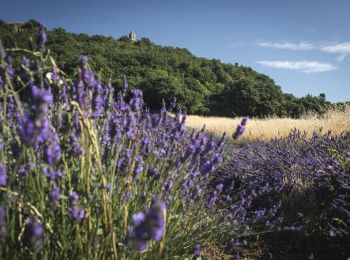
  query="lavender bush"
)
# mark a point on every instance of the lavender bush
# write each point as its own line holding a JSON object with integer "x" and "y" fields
{"x": 292, "y": 184}
{"x": 87, "y": 173}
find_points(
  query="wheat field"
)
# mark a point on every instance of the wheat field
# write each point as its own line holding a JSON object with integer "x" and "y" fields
{"x": 335, "y": 121}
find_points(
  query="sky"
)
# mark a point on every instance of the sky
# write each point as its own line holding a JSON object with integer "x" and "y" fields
{"x": 303, "y": 45}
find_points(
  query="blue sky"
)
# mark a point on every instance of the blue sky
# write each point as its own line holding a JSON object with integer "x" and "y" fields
{"x": 304, "y": 45}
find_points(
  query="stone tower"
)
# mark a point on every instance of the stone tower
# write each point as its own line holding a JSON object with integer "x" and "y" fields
{"x": 132, "y": 36}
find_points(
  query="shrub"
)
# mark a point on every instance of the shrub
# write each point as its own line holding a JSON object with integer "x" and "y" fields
{"x": 291, "y": 184}
{"x": 88, "y": 173}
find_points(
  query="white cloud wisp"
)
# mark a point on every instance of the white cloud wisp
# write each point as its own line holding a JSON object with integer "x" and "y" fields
{"x": 288, "y": 45}
{"x": 304, "y": 66}
{"x": 342, "y": 49}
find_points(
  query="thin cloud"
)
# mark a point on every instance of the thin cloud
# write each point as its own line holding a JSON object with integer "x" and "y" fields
{"x": 342, "y": 49}
{"x": 304, "y": 66}
{"x": 288, "y": 45}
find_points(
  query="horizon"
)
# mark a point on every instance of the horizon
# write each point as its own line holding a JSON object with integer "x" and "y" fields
{"x": 303, "y": 46}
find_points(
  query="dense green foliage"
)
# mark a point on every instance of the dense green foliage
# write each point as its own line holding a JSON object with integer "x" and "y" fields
{"x": 202, "y": 86}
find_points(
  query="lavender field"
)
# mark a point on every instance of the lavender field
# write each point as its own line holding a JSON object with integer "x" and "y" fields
{"x": 88, "y": 173}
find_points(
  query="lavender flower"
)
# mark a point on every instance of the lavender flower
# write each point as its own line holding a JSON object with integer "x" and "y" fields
{"x": 239, "y": 132}
{"x": 41, "y": 38}
{"x": 76, "y": 213}
{"x": 3, "y": 228}
{"x": 125, "y": 84}
{"x": 86, "y": 75}
{"x": 51, "y": 174}
{"x": 25, "y": 169}
{"x": 3, "y": 175}
{"x": 139, "y": 167}
{"x": 73, "y": 196}
{"x": 197, "y": 251}
{"x": 36, "y": 128}
{"x": 52, "y": 151}
{"x": 150, "y": 226}
{"x": 244, "y": 120}
{"x": 79, "y": 93}
{"x": 240, "y": 128}
{"x": 76, "y": 148}
{"x": 124, "y": 163}
{"x": 54, "y": 197}
{"x": 34, "y": 234}
{"x": 98, "y": 105}
{"x": 1, "y": 84}
{"x": 8, "y": 66}
{"x": 82, "y": 61}
{"x": 137, "y": 101}
{"x": 108, "y": 187}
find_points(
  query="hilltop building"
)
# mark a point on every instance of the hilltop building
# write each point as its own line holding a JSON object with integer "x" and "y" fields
{"x": 132, "y": 36}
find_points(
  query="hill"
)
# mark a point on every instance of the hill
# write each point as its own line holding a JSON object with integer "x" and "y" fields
{"x": 202, "y": 86}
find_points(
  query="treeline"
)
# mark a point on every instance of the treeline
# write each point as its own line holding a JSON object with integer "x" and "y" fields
{"x": 201, "y": 86}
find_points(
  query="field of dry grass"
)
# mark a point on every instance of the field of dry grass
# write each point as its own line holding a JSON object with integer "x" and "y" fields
{"x": 335, "y": 121}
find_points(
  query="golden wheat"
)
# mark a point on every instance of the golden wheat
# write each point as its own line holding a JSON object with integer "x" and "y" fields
{"x": 335, "y": 121}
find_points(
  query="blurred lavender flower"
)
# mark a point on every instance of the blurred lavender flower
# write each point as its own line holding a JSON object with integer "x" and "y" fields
{"x": 82, "y": 62}
{"x": 150, "y": 226}
{"x": 25, "y": 169}
{"x": 163, "y": 114}
{"x": 9, "y": 69}
{"x": 54, "y": 197}
{"x": 125, "y": 84}
{"x": 11, "y": 108}
{"x": 26, "y": 62}
{"x": 3, "y": 175}
{"x": 52, "y": 151}
{"x": 73, "y": 196}
{"x": 210, "y": 166}
{"x": 124, "y": 162}
{"x": 239, "y": 132}
{"x": 244, "y": 120}
{"x": 51, "y": 174}
{"x": 34, "y": 234}
{"x": 76, "y": 213}
{"x": 197, "y": 251}
{"x": 76, "y": 148}
{"x": 1, "y": 84}
{"x": 153, "y": 172}
{"x": 3, "y": 228}
{"x": 168, "y": 185}
{"x": 86, "y": 75}
{"x": 139, "y": 167}
{"x": 108, "y": 187}
{"x": 41, "y": 100}
{"x": 240, "y": 128}
{"x": 22, "y": 170}
{"x": 41, "y": 37}
{"x": 98, "y": 105}
{"x": 98, "y": 99}
{"x": 136, "y": 102}
{"x": 36, "y": 128}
